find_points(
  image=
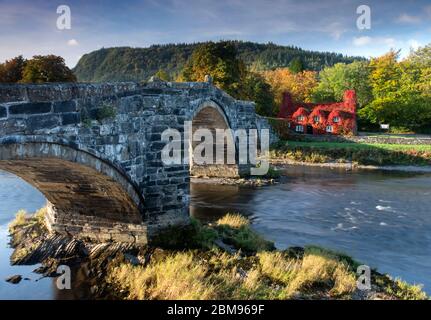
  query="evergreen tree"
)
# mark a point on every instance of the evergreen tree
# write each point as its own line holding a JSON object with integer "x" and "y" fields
{"x": 295, "y": 65}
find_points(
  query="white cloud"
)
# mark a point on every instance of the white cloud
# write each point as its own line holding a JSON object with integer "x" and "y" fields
{"x": 390, "y": 42}
{"x": 375, "y": 41}
{"x": 72, "y": 43}
{"x": 408, "y": 19}
{"x": 385, "y": 42}
{"x": 362, "y": 41}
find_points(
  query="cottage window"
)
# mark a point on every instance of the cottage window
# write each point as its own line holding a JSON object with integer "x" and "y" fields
{"x": 299, "y": 128}
{"x": 288, "y": 124}
{"x": 316, "y": 119}
{"x": 336, "y": 119}
{"x": 301, "y": 118}
{"x": 329, "y": 129}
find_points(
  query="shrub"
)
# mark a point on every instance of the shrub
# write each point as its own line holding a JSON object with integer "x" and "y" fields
{"x": 404, "y": 291}
{"x": 106, "y": 112}
{"x": 233, "y": 220}
{"x": 235, "y": 230}
{"x": 177, "y": 277}
{"x": 320, "y": 270}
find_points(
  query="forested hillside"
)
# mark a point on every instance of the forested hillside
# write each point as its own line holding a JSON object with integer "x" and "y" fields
{"x": 125, "y": 63}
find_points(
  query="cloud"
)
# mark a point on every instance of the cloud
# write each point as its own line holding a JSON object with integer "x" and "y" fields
{"x": 361, "y": 41}
{"x": 374, "y": 41}
{"x": 408, "y": 19}
{"x": 390, "y": 42}
{"x": 72, "y": 43}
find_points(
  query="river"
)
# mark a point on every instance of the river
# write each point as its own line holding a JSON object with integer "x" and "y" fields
{"x": 382, "y": 219}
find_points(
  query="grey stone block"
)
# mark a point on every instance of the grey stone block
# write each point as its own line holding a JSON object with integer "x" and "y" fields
{"x": 70, "y": 118}
{"x": 3, "y": 112}
{"x": 40, "y": 122}
{"x": 30, "y": 108}
{"x": 64, "y": 106}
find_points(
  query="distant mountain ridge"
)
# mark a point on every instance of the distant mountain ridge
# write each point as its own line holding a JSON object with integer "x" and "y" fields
{"x": 136, "y": 64}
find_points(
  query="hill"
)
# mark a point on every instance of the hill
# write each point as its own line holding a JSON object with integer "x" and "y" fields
{"x": 135, "y": 64}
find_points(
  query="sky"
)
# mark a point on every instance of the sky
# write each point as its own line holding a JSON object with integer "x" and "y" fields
{"x": 29, "y": 27}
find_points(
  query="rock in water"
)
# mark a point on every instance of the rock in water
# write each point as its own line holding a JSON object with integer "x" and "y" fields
{"x": 14, "y": 279}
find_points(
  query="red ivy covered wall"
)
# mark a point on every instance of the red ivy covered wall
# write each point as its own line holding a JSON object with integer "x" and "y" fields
{"x": 328, "y": 118}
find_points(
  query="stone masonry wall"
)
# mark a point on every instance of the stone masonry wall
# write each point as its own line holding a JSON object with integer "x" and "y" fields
{"x": 121, "y": 124}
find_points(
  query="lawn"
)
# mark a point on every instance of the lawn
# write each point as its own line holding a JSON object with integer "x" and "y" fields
{"x": 353, "y": 145}
{"x": 351, "y": 152}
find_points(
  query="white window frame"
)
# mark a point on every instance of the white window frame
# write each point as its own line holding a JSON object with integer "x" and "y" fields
{"x": 336, "y": 119}
{"x": 300, "y": 118}
{"x": 299, "y": 128}
{"x": 329, "y": 128}
{"x": 316, "y": 119}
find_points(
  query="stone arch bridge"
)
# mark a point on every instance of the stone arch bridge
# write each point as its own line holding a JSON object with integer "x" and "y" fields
{"x": 94, "y": 151}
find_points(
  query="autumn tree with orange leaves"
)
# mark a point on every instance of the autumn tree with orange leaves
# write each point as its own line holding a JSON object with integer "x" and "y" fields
{"x": 300, "y": 85}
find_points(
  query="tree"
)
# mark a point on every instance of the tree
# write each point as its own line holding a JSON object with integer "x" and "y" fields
{"x": 11, "y": 71}
{"x": 255, "y": 88}
{"x": 300, "y": 85}
{"x": 295, "y": 65}
{"x": 385, "y": 75}
{"x": 421, "y": 59}
{"x": 400, "y": 92}
{"x": 163, "y": 75}
{"x": 230, "y": 74}
{"x": 334, "y": 81}
{"x": 48, "y": 68}
{"x": 218, "y": 60}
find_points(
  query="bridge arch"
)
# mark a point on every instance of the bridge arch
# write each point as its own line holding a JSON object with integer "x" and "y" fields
{"x": 211, "y": 116}
{"x": 87, "y": 195}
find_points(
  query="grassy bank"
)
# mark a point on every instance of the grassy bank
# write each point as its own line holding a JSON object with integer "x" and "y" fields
{"x": 357, "y": 153}
{"x": 254, "y": 270}
{"x": 222, "y": 260}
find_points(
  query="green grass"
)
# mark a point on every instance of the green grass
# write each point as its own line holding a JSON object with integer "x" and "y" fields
{"x": 199, "y": 269}
{"x": 357, "y": 153}
{"x": 213, "y": 274}
{"x": 360, "y": 146}
{"x": 232, "y": 229}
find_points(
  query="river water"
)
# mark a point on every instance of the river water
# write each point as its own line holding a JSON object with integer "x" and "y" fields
{"x": 382, "y": 219}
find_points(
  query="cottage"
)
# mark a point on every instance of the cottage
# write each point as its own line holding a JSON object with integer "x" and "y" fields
{"x": 328, "y": 118}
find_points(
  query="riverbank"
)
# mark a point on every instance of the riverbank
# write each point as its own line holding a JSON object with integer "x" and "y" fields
{"x": 409, "y": 158}
{"x": 222, "y": 260}
{"x": 282, "y": 163}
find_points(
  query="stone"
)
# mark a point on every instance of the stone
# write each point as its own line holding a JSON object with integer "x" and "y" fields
{"x": 208, "y": 79}
{"x": 104, "y": 176}
{"x": 14, "y": 279}
{"x": 39, "y": 122}
{"x": 30, "y": 108}
{"x": 70, "y": 118}
{"x": 65, "y": 106}
{"x": 133, "y": 260}
{"x": 3, "y": 112}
